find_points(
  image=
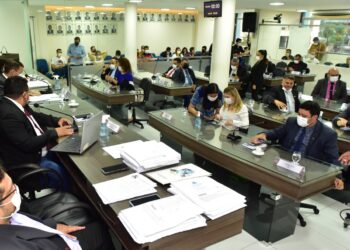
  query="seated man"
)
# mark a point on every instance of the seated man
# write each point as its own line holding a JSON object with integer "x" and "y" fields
{"x": 166, "y": 53}
{"x": 331, "y": 87}
{"x": 11, "y": 68}
{"x": 306, "y": 134}
{"x": 284, "y": 97}
{"x": 59, "y": 64}
{"x": 171, "y": 70}
{"x": 239, "y": 71}
{"x": 298, "y": 65}
{"x": 21, "y": 231}
{"x": 184, "y": 74}
{"x": 24, "y": 138}
{"x": 343, "y": 119}
{"x": 109, "y": 73}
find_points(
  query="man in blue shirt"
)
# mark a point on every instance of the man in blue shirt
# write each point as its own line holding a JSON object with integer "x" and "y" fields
{"x": 76, "y": 52}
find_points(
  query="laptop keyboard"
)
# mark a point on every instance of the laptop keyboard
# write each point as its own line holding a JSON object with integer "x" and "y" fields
{"x": 71, "y": 144}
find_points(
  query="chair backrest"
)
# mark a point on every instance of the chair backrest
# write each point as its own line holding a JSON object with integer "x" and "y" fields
{"x": 42, "y": 66}
{"x": 108, "y": 58}
{"x": 328, "y": 63}
{"x": 281, "y": 65}
{"x": 146, "y": 84}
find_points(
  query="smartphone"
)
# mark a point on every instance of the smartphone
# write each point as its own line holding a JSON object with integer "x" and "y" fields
{"x": 114, "y": 169}
{"x": 82, "y": 117}
{"x": 143, "y": 199}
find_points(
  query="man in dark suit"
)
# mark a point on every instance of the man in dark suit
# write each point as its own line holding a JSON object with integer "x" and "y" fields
{"x": 237, "y": 48}
{"x": 23, "y": 232}
{"x": 298, "y": 65}
{"x": 307, "y": 135}
{"x": 24, "y": 138}
{"x": 343, "y": 119}
{"x": 11, "y": 68}
{"x": 238, "y": 70}
{"x": 171, "y": 70}
{"x": 184, "y": 74}
{"x": 331, "y": 87}
{"x": 166, "y": 53}
{"x": 284, "y": 97}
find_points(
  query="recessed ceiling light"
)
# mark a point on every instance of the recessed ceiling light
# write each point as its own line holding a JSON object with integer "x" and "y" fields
{"x": 40, "y": 11}
{"x": 301, "y": 10}
{"x": 89, "y": 6}
{"x": 179, "y": 13}
{"x": 190, "y": 8}
{"x": 135, "y": 1}
{"x": 107, "y": 4}
{"x": 277, "y": 4}
{"x": 165, "y": 9}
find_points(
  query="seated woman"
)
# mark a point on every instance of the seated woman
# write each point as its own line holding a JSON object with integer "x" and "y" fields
{"x": 123, "y": 76}
{"x": 206, "y": 102}
{"x": 233, "y": 113}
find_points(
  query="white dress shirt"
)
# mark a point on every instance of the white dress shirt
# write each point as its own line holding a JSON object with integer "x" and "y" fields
{"x": 239, "y": 119}
{"x": 290, "y": 100}
{"x": 25, "y": 221}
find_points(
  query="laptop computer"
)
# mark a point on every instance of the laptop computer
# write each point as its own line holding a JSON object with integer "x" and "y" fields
{"x": 77, "y": 144}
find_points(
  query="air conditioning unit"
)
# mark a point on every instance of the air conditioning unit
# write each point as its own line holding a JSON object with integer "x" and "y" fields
{"x": 331, "y": 14}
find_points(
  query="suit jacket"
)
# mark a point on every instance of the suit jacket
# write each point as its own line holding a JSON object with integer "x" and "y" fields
{"x": 242, "y": 73}
{"x": 278, "y": 93}
{"x": 19, "y": 143}
{"x": 179, "y": 76}
{"x": 320, "y": 90}
{"x": 2, "y": 85}
{"x": 322, "y": 145}
{"x": 14, "y": 237}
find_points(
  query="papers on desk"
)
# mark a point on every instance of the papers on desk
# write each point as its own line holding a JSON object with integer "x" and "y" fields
{"x": 115, "y": 150}
{"x": 170, "y": 175}
{"x": 156, "y": 219}
{"x": 306, "y": 97}
{"x": 37, "y": 84}
{"x": 43, "y": 98}
{"x": 124, "y": 188}
{"x": 214, "y": 198}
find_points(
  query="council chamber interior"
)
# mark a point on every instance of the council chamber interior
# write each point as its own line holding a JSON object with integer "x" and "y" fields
{"x": 175, "y": 124}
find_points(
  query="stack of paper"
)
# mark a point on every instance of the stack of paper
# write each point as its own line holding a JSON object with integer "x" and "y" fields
{"x": 144, "y": 156}
{"x": 170, "y": 175}
{"x": 214, "y": 198}
{"x": 156, "y": 219}
{"x": 124, "y": 188}
{"x": 37, "y": 84}
{"x": 43, "y": 98}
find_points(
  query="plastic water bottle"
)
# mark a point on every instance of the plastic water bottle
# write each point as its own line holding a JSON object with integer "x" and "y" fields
{"x": 104, "y": 136}
{"x": 57, "y": 86}
{"x": 198, "y": 121}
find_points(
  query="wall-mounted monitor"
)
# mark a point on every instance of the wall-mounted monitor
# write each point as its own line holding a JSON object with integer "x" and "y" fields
{"x": 213, "y": 9}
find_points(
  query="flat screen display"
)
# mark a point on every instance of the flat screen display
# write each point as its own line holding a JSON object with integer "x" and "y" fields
{"x": 213, "y": 9}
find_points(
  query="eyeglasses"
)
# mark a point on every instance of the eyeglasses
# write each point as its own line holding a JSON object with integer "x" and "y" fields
{"x": 9, "y": 193}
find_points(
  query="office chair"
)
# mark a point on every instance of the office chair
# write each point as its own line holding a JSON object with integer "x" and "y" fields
{"x": 108, "y": 58}
{"x": 43, "y": 67}
{"x": 63, "y": 207}
{"x": 309, "y": 206}
{"x": 328, "y": 63}
{"x": 141, "y": 99}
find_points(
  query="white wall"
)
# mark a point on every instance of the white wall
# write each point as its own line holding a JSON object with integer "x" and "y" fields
{"x": 204, "y": 31}
{"x": 157, "y": 35}
{"x": 15, "y": 29}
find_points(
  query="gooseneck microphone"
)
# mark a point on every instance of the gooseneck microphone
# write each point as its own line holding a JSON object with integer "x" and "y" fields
{"x": 74, "y": 125}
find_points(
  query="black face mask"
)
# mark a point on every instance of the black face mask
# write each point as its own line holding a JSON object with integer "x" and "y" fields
{"x": 185, "y": 66}
{"x": 76, "y": 43}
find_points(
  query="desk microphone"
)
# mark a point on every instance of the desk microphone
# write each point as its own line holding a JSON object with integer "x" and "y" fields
{"x": 74, "y": 125}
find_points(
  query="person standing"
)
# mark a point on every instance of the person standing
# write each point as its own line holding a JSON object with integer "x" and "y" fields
{"x": 317, "y": 48}
{"x": 76, "y": 52}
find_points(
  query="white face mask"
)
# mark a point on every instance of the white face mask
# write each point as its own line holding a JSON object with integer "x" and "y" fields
{"x": 312, "y": 56}
{"x": 59, "y": 54}
{"x": 233, "y": 67}
{"x": 16, "y": 201}
{"x": 228, "y": 100}
{"x": 333, "y": 78}
{"x": 302, "y": 121}
{"x": 315, "y": 43}
{"x": 257, "y": 57}
{"x": 212, "y": 99}
{"x": 120, "y": 68}
{"x": 174, "y": 66}
{"x": 296, "y": 61}
{"x": 112, "y": 67}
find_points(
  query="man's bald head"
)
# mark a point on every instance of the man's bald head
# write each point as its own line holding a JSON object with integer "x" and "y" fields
{"x": 333, "y": 72}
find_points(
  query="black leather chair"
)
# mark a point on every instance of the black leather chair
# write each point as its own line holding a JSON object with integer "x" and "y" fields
{"x": 63, "y": 207}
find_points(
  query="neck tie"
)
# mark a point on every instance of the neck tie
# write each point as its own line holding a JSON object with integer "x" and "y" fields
{"x": 299, "y": 142}
{"x": 187, "y": 76}
{"x": 29, "y": 116}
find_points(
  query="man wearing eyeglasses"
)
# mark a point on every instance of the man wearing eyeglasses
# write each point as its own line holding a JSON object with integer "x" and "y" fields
{"x": 24, "y": 232}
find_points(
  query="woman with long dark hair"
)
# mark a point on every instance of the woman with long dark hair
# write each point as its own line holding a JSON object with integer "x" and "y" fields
{"x": 261, "y": 67}
{"x": 206, "y": 101}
